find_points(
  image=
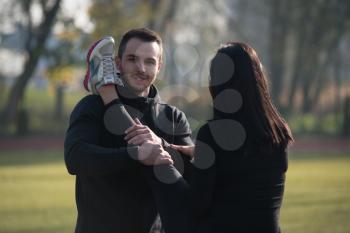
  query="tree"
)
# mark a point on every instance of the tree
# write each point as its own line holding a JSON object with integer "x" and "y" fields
{"x": 115, "y": 17}
{"x": 319, "y": 26}
{"x": 63, "y": 61}
{"x": 36, "y": 36}
{"x": 278, "y": 46}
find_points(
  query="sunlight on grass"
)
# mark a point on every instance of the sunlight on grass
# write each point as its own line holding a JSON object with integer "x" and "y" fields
{"x": 317, "y": 195}
{"x": 37, "y": 194}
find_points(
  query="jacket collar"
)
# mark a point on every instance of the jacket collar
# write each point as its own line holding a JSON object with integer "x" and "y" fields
{"x": 139, "y": 102}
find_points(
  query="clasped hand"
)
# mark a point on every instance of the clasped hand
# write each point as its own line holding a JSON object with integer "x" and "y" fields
{"x": 151, "y": 151}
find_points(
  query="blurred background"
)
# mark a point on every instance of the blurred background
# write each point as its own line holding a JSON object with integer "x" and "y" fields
{"x": 303, "y": 46}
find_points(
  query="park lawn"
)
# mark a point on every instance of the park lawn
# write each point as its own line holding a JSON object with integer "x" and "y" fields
{"x": 317, "y": 195}
{"x": 37, "y": 194}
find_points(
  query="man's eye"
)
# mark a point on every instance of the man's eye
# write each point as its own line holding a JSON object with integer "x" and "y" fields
{"x": 151, "y": 62}
{"x": 131, "y": 59}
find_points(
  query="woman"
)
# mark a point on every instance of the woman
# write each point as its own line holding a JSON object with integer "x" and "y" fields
{"x": 240, "y": 157}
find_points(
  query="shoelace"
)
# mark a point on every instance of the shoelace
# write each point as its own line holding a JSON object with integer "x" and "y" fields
{"x": 108, "y": 65}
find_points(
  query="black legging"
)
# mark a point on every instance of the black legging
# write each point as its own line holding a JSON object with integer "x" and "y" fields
{"x": 172, "y": 197}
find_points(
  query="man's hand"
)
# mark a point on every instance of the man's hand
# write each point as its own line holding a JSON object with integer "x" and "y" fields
{"x": 150, "y": 153}
{"x": 139, "y": 134}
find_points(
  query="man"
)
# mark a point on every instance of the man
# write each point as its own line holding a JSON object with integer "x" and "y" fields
{"x": 112, "y": 193}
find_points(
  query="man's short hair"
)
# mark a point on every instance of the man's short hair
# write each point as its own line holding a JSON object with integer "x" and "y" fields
{"x": 144, "y": 34}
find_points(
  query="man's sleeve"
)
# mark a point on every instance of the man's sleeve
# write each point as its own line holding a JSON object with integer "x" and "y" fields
{"x": 82, "y": 153}
{"x": 182, "y": 131}
{"x": 182, "y": 136}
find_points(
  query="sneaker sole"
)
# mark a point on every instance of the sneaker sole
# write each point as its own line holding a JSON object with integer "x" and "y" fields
{"x": 100, "y": 44}
{"x": 93, "y": 49}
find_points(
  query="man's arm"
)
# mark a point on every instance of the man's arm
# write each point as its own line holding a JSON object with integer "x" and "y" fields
{"x": 182, "y": 131}
{"x": 82, "y": 151}
{"x": 182, "y": 136}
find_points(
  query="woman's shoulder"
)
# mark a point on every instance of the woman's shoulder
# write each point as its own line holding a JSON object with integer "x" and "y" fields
{"x": 228, "y": 134}
{"x": 203, "y": 130}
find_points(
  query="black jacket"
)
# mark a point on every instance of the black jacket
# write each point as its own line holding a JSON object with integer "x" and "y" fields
{"x": 112, "y": 194}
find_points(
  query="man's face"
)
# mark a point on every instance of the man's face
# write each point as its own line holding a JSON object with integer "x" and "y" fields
{"x": 139, "y": 65}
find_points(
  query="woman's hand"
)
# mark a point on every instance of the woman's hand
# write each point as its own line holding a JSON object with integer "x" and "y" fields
{"x": 187, "y": 150}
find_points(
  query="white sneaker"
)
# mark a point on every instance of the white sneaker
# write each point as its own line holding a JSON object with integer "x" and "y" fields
{"x": 102, "y": 69}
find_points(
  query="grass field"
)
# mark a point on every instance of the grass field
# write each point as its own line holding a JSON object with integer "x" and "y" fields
{"x": 37, "y": 194}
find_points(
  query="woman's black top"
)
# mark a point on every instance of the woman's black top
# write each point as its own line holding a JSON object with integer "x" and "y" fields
{"x": 236, "y": 187}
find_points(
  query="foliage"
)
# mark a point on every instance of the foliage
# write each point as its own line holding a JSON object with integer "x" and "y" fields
{"x": 40, "y": 102}
{"x": 303, "y": 44}
{"x": 114, "y": 17}
{"x": 316, "y": 124}
{"x": 63, "y": 56}
{"x": 62, "y": 75}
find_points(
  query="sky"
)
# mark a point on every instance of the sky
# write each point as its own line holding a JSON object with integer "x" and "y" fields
{"x": 78, "y": 9}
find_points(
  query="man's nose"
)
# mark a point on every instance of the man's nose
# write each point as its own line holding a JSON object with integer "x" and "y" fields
{"x": 141, "y": 66}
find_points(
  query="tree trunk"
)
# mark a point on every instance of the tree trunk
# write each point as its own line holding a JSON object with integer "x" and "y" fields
{"x": 59, "y": 105}
{"x": 346, "y": 117}
{"x": 2, "y": 86}
{"x": 164, "y": 13}
{"x": 297, "y": 72}
{"x": 277, "y": 45}
{"x": 307, "y": 103}
{"x": 341, "y": 22}
{"x": 320, "y": 81}
{"x": 307, "y": 31}
{"x": 10, "y": 110}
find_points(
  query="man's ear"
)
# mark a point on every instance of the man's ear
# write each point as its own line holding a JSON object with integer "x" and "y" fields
{"x": 160, "y": 65}
{"x": 118, "y": 62}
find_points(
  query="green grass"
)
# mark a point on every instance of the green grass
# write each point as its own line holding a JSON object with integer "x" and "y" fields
{"x": 37, "y": 194}
{"x": 317, "y": 196}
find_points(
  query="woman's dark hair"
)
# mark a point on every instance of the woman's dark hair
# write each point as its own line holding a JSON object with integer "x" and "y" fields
{"x": 236, "y": 66}
{"x": 144, "y": 34}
